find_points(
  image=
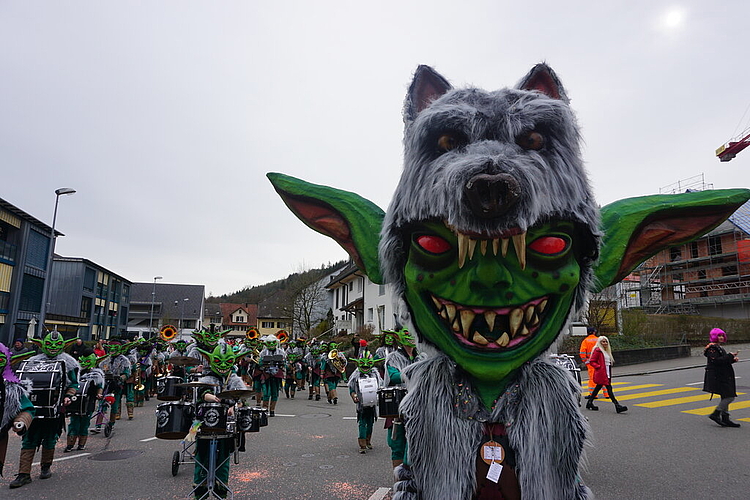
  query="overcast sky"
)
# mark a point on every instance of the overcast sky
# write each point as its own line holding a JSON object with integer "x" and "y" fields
{"x": 166, "y": 115}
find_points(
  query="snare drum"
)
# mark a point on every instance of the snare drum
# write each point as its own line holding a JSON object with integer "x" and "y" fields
{"x": 84, "y": 400}
{"x": 368, "y": 387}
{"x": 48, "y": 383}
{"x": 261, "y": 414}
{"x": 173, "y": 420}
{"x": 168, "y": 390}
{"x": 213, "y": 417}
{"x": 248, "y": 419}
{"x": 388, "y": 401}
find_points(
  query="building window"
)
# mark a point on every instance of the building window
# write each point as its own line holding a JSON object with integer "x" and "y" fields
{"x": 31, "y": 293}
{"x": 86, "y": 308}
{"x": 370, "y": 315}
{"x": 675, "y": 253}
{"x": 729, "y": 271}
{"x": 4, "y": 302}
{"x": 89, "y": 279}
{"x": 381, "y": 290}
{"x": 266, "y": 324}
{"x": 38, "y": 250}
{"x": 694, "y": 250}
{"x": 351, "y": 286}
{"x": 714, "y": 245}
{"x": 240, "y": 319}
{"x": 702, "y": 275}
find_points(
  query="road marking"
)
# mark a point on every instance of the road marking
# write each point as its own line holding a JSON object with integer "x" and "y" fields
{"x": 379, "y": 494}
{"x": 64, "y": 458}
{"x": 656, "y": 393}
{"x": 350, "y": 418}
{"x": 148, "y": 439}
{"x": 632, "y": 388}
{"x": 280, "y": 415}
{"x": 675, "y": 401}
{"x": 584, "y": 386}
{"x": 695, "y": 383}
{"x": 744, "y": 419}
{"x": 710, "y": 409}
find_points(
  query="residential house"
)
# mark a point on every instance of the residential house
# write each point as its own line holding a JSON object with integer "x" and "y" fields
{"x": 274, "y": 314}
{"x": 238, "y": 318}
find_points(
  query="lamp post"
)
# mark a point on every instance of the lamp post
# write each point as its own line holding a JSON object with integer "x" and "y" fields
{"x": 50, "y": 258}
{"x": 153, "y": 296}
{"x": 182, "y": 313}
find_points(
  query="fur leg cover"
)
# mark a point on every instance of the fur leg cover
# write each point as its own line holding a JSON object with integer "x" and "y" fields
{"x": 445, "y": 426}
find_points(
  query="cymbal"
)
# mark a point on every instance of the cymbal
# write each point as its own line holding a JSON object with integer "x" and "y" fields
{"x": 195, "y": 384}
{"x": 184, "y": 361}
{"x": 236, "y": 394}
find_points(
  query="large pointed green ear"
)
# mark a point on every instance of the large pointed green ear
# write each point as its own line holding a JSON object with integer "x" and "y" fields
{"x": 205, "y": 354}
{"x": 637, "y": 228}
{"x": 36, "y": 342}
{"x": 70, "y": 341}
{"x": 351, "y": 220}
{"x": 17, "y": 358}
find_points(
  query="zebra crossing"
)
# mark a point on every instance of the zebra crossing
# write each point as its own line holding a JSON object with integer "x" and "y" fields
{"x": 659, "y": 396}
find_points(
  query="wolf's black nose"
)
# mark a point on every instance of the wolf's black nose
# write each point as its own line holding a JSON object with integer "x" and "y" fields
{"x": 492, "y": 195}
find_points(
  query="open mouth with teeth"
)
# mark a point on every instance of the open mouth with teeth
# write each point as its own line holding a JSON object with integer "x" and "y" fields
{"x": 492, "y": 327}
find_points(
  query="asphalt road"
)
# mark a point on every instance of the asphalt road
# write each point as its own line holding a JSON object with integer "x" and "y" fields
{"x": 664, "y": 447}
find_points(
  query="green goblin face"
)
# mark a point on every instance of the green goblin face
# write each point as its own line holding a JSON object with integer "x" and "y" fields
{"x": 87, "y": 361}
{"x": 489, "y": 307}
{"x": 180, "y": 345}
{"x": 3, "y": 362}
{"x": 53, "y": 344}
{"x": 220, "y": 360}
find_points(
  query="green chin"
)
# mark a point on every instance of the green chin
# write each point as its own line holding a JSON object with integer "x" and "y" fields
{"x": 491, "y": 362}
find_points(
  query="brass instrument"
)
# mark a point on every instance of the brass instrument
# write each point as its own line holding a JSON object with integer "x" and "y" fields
{"x": 283, "y": 336}
{"x": 167, "y": 333}
{"x": 138, "y": 383}
{"x": 333, "y": 358}
{"x": 252, "y": 333}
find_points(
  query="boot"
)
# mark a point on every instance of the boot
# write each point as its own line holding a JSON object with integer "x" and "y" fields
{"x": 367, "y": 441}
{"x": 130, "y": 410}
{"x": 309, "y": 396}
{"x": 71, "y": 443}
{"x": 317, "y": 397}
{"x": 82, "y": 443}
{"x": 726, "y": 421}
{"x": 46, "y": 462}
{"x": 620, "y": 408}
{"x": 24, "y": 468}
{"x": 362, "y": 445}
{"x": 591, "y": 406}
{"x": 716, "y": 417}
{"x": 335, "y": 401}
{"x": 272, "y": 409}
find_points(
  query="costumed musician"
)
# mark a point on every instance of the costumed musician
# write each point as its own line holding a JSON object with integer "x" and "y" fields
{"x": 312, "y": 361}
{"x": 117, "y": 368}
{"x": 16, "y": 409}
{"x": 91, "y": 380}
{"x": 45, "y": 429}
{"x": 335, "y": 365}
{"x": 365, "y": 376}
{"x": 388, "y": 344}
{"x": 398, "y": 359}
{"x": 271, "y": 368}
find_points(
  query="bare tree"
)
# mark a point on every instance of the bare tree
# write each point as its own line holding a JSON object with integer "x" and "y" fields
{"x": 601, "y": 312}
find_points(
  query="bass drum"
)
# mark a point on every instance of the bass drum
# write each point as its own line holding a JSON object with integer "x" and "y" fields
{"x": 48, "y": 386}
{"x": 83, "y": 401}
{"x": 368, "y": 387}
{"x": 213, "y": 418}
{"x": 173, "y": 420}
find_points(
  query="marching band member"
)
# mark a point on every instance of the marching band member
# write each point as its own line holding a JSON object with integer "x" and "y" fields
{"x": 388, "y": 344}
{"x": 366, "y": 410}
{"x": 272, "y": 361}
{"x": 292, "y": 371}
{"x": 312, "y": 360}
{"x": 46, "y": 431}
{"x": 219, "y": 374}
{"x": 16, "y": 409}
{"x": 397, "y": 360}
{"x": 117, "y": 368}
{"x": 335, "y": 364}
{"x": 141, "y": 374}
{"x": 78, "y": 428}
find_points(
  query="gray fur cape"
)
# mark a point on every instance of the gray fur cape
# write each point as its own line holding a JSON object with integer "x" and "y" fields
{"x": 96, "y": 375}
{"x": 118, "y": 366}
{"x": 235, "y": 382}
{"x": 71, "y": 365}
{"x": 443, "y": 414}
{"x": 14, "y": 391}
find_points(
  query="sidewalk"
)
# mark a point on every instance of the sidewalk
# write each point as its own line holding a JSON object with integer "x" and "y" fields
{"x": 696, "y": 360}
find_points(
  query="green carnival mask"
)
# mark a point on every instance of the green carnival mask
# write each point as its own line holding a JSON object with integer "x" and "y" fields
{"x": 366, "y": 362}
{"x": 53, "y": 343}
{"x": 88, "y": 361}
{"x": 222, "y": 359}
{"x": 181, "y": 345}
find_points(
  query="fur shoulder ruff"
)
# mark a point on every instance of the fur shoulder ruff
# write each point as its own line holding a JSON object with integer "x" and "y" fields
{"x": 70, "y": 361}
{"x": 96, "y": 375}
{"x": 539, "y": 409}
{"x": 14, "y": 391}
{"x": 235, "y": 383}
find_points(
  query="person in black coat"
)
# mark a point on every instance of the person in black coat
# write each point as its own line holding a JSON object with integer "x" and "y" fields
{"x": 719, "y": 378}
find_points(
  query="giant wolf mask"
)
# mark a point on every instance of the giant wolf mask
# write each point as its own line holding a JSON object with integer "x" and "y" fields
{"x": 492, "y": 236}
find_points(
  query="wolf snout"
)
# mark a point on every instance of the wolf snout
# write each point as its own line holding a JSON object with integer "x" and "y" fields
{"x": 492, "y": 195}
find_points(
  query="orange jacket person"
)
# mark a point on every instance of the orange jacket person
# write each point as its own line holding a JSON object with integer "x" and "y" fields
{"x": 587, "y": 346}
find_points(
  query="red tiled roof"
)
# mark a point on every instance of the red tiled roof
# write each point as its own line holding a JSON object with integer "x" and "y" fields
{"x": 250, "y": 309}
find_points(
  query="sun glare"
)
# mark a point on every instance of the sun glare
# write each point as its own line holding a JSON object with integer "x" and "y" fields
{"x": 674, "y": 18}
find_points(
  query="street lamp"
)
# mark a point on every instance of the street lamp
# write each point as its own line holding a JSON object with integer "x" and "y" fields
{"x": 50, "y": 258}
{"x": 182, "y": 313}
{"x": 153, "y": 295}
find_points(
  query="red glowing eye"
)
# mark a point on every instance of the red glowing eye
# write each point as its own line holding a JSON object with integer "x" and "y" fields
{"x": 433, "y": 244}
{"x": 549, "y": 245}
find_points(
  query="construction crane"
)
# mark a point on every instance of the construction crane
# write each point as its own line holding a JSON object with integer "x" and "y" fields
{"x": 737, "y": 143}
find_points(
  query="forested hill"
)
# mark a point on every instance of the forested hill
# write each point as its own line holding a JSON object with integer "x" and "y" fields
{"x": 256, "y": 294}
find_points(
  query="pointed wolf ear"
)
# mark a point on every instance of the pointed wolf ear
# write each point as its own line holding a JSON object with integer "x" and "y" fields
{"x": 542, "y": 78}
{"x": 637, "y": 228}
{"x": 426, "y": 86}
{"x": 351, "y": 220}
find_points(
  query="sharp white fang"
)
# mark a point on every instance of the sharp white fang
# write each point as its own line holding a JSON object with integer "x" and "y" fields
{"x": 524, "y": 331}
{"x": 456, "y": 326}
{"x": 504, "y": 247}
{"x": 450, "y": 310}
{"x": 462, "y": 248}
{"x": 495, "y": 246}
{"x": 479, "y": 339}
{"x": 437, "y": 303}
{"x": 529, "y": 314}
{"x": 472, "y": 247}
{"x": 515, "y": 317}
{"x": 467, "y": 317}
{"x": 489, "y": 317}
{"x": 534, "y": 320}
{"x": 483, "y": 247}
{"x": 519, "y": 244}
{"x": 503, "y": 340}
{"x": 542, "y": 305}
